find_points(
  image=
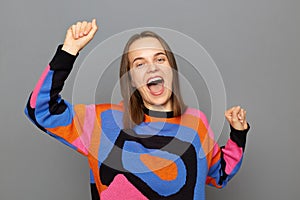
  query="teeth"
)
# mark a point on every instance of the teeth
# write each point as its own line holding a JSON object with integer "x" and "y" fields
{"x": 154, "y": 79}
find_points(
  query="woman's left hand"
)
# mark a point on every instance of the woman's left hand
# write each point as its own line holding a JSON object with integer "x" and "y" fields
{"x": 236, "y": 116}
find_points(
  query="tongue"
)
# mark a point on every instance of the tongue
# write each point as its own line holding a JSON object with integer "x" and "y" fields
{"x": 156, "y": 88}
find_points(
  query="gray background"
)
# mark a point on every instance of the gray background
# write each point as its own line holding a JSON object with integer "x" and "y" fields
{"x": 254, "y": 43}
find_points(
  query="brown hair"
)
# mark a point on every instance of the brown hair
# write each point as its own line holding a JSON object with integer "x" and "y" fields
{"x": 133, "y": 102}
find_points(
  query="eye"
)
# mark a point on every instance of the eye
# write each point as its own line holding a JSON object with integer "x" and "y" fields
{"x": 139, "y": 65}
{"x": 160, "y": 60}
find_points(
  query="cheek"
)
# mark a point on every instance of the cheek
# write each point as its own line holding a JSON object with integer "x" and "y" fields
{"x": 136, "y": 80}
{"x": 169, "y": 74}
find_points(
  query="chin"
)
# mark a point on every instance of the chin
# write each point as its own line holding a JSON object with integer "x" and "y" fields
{"x": 156, "y": 100}
{"x": 159, "y": 101}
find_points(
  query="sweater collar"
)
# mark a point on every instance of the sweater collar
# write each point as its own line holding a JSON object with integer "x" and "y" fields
{"x": 158, "y": 114}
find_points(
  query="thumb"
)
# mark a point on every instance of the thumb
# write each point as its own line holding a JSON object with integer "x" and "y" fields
{"x": 235, "y": 114}
{"x": 228, "y": 114}
{"x": 69, "y": 34}
{"x": 94, "y": 27}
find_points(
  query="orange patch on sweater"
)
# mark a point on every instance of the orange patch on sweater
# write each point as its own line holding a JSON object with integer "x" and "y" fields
{"x": 163, "y": 168}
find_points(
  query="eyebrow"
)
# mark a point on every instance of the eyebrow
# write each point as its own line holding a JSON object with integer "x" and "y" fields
{"x": 141, "y": 58}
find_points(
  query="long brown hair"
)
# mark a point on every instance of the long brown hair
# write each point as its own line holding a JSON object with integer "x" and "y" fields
{"x": 133, "y": 102}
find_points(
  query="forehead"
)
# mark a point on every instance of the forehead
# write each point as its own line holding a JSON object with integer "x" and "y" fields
{"x": 144, "y": 45}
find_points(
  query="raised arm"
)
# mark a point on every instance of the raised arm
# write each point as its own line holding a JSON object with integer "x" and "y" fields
{"x": 45, "y": 107}
{"x": 226, "y": 160}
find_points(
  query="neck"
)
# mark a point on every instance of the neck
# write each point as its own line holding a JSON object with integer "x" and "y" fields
{"x": 162, "y": 108}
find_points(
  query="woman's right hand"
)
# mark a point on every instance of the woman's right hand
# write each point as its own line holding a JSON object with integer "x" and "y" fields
{"x": 79, "y": 35}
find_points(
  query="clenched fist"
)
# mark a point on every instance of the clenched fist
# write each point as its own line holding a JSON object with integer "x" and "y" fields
{"x": 236, "y": 116}
{"x": 79, "y": 35}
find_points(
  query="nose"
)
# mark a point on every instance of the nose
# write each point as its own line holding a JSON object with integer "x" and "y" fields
{"x": 152, "y": 67}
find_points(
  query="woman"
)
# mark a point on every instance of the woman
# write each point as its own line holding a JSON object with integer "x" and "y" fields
{"x": 151, "y": 146}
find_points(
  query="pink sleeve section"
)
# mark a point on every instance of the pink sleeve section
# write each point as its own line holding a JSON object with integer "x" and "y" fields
{"x": 197, "y": 113}
{"x": 38, "y": 87}
{"x": 232, "y": 155}
{"x": 216, "y": 149}
{"x": 121, "y": 189}
{"x": 83, "y": 142}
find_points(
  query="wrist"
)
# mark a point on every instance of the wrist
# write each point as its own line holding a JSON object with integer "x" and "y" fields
{"x": 239, "y": 136}
{"x": 70, "y": 49}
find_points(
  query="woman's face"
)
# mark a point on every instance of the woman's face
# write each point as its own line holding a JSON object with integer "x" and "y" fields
{"x": 151, "y": 73}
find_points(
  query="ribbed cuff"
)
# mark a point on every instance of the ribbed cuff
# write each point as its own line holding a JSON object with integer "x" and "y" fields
{"x": 238, "y": 136}
{"x": 62, "y": 60}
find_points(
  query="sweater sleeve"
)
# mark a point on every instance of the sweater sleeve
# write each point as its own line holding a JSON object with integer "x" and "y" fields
{"x": 226, "y": 160}
{"x": 70, "y": 124}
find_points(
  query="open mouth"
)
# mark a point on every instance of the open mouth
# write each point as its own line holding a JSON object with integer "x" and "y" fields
{"x": 156, "y": 85}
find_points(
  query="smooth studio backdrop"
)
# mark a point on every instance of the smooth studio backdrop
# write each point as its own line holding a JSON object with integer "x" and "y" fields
{"x": 255, "y": 45}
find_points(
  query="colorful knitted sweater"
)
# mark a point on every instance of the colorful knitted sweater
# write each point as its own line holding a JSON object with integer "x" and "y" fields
{"x": 164, "y": 157}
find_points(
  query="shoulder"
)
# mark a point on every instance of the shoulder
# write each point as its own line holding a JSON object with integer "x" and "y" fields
{"x": 108, "y": 107}
{"x": 196, "y": 113}
{"x": 97, "y": 108}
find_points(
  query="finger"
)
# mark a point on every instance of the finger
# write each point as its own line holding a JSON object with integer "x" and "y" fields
{"x": 245, "y": 124}
{"x": 244, "y": 116}
{"x": 82, "y": 28}
{"x": 94, "y": 27}
{"x": 70, "y": 32}
{"x": 241, "y": 116}
{"x": 228, "y": 112}
{"x": 74, "y": 30}
{"x": 87, "y": 28}
{"x": 235, "y": 112}
{"x": 228, "y": 117}
{"x": 243, "y": 113}
{"x": 77, "y": 29}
